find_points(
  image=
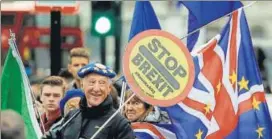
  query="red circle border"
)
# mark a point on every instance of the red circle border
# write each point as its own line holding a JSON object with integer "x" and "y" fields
{"x": 129, "y": 77}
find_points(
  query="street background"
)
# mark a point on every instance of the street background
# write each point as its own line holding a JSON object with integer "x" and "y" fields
{"x": 172, "y": 19}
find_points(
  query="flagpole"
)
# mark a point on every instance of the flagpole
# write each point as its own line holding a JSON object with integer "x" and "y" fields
{"x": 12, "y": 35}
{"x": 124, "y": 86}
{"x": 103, "y": 126}
{"x": 246, "y": 6}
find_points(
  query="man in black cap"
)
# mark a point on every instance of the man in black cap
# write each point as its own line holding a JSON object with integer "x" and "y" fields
{"x": 96, "y": 107}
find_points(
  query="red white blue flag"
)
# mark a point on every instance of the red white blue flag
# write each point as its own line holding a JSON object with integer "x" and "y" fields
{"x": 227, "y": 99}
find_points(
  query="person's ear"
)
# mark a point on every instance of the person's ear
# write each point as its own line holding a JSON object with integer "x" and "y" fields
{"x": 82, "y": 83}
{"x": 109, "y": 88}
{"x": 69, "y": 66}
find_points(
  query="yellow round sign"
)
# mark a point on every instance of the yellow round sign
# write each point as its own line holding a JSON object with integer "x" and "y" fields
{"x": 158, "y": 68}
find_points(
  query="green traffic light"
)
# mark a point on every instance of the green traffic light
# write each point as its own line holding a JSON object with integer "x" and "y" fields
{"x": 102, "y": 25}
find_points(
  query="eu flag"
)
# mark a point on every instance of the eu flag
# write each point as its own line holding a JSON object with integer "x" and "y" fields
{"x": 144, "y": 18}
{"x": 203, "y": 12}
{"x": 228, "y": 94}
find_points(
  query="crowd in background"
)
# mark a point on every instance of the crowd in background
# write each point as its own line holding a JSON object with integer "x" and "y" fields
{"x": 81, "y": 98}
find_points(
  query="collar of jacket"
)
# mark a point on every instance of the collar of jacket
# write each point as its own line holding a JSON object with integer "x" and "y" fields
{"x": 51, "y": 119}
{"x": 96, "y": 111}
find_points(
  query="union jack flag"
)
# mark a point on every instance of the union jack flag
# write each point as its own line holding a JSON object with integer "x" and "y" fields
{"x": 144, "y": 130}
{"x": 227, "y": 99}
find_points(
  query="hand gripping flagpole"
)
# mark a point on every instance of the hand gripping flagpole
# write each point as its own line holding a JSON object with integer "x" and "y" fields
{"x": 12, "y": 42}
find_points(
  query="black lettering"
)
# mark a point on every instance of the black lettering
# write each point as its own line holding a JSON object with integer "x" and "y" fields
{"x": 158, "y": 81}
{"x": 144, "y": 67}
{"x": 151, "y": 74}
{"x": 154, "y": 49}
{"x": 180, "y": 71}
{"x": 162, "y": 86}
{"x": 167, "y": 91}
{"x": 164, "y": 51}
{"x": 137, "y": 59}
{"x": 171, "y": 63}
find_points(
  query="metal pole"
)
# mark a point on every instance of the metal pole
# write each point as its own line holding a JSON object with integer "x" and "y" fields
{"x": 112, "y": 116}
{"x": 123, "y": 92}
{"x": 117, "y": 53}
{"x": 103, "y": 49}
{"x": 118, "y": 34}
{"x": 55, "y": 41}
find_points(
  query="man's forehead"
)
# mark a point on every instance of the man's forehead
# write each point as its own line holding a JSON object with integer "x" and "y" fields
{"x": 52, "y": 89}
{"x": 78, "y": 59}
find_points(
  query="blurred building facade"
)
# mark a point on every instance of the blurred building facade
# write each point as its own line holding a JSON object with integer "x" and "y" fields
{"x": 173, "y": 20}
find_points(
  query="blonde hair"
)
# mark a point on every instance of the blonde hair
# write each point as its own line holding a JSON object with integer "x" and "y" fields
{"x": 79, "y": 52}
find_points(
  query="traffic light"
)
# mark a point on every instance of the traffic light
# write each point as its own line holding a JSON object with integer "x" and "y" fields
{"x": 106, "y": 21}
{"x": 103, "y": 18}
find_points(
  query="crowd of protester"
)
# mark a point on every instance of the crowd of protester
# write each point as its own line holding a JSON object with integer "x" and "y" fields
{"x": 77, "y": 102}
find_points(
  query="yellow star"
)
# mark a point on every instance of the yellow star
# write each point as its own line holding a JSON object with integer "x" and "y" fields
{"x": 255, "y": 104}
{"x": 243, "y": 84}
{"x": 199, "y": 134}
{"x": 207, "y": 108}
{"x": 233, "y": 77}
{"x": 259, "y": 131}
{"x": 218, "y": 87}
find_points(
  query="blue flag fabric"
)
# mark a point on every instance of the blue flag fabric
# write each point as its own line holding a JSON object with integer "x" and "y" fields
{"x": 203, "y": 12}
{"x": 255, "y": 122}
{"x": 144, "y": 18}
{"x": 235, "y": 91}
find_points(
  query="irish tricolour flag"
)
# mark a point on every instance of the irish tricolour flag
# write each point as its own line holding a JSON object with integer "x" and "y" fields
{"x": 15, "y": 91}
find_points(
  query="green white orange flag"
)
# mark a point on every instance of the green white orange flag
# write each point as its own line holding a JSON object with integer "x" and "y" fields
{"x": 15, "y": 91}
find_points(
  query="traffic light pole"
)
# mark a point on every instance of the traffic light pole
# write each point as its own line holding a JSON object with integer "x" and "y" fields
{"x": 118, "y": 34}
{"x": 103, "y": 49}
{"x": 55, "y": 41}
